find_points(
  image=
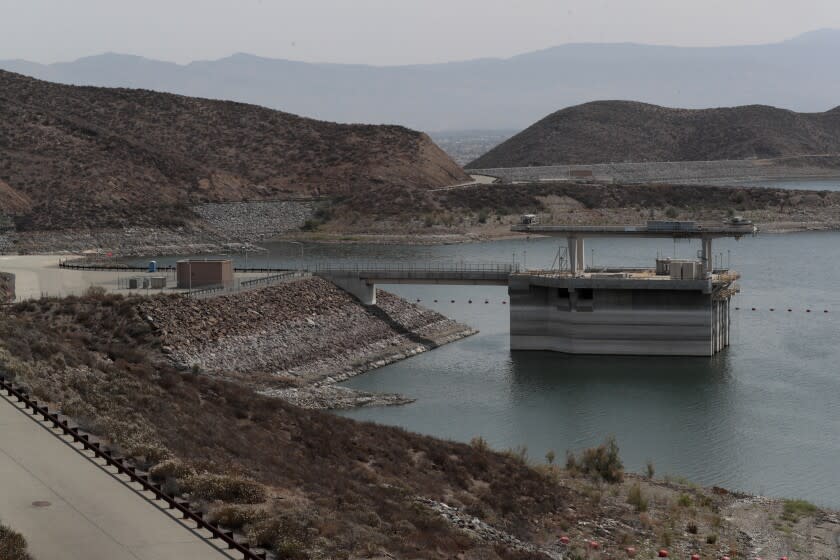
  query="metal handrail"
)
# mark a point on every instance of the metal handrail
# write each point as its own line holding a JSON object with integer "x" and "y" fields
{"x": 414, "y": 267}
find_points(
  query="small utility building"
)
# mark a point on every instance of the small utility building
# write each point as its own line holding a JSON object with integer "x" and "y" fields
{"x": 202, "y": 273}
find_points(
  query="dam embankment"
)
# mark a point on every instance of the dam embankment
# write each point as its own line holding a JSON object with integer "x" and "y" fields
{"x": 297, "y": 340}
{"x": 720, "y": 172}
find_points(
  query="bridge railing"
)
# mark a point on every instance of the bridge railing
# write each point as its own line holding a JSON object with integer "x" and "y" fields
{"x": 409, "y": 268}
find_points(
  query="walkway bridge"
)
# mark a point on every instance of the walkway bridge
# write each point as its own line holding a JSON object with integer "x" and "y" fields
{"x": 360, "y": 279}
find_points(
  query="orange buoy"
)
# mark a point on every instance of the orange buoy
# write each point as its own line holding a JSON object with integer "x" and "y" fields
{"x": 663, "y": 553}
{"x": 695, "y": 557}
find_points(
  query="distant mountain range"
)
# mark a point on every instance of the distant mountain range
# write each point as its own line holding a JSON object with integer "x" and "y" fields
{"x": 107, "y": 158}
{"x": 800, "y": 74}
{"x": 627, "y": 131}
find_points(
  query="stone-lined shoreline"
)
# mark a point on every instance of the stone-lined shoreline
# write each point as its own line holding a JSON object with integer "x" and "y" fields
{"x": 296, "y": 341}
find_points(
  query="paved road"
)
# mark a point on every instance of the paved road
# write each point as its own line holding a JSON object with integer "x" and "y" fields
{"x": 69, "y": 508}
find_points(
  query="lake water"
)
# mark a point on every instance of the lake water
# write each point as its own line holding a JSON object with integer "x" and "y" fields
{"x": 763, "y": 416}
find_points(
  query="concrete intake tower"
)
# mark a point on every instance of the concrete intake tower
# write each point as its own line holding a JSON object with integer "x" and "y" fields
{"x": 677, "y": 308}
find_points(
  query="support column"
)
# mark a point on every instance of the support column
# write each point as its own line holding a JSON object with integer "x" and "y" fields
{"x": 706, "y": 255}
{"x": 576, "y": 255}
{"x": 581, "y": 255}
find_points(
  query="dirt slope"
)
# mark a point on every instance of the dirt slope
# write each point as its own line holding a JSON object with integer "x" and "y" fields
{"x": 95, "y": 157}
{"x": 626, "y": 131}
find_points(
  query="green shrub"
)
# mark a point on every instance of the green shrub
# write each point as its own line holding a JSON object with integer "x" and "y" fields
{"x": 636, "y": 499}
{"x": 602, "y": 462}
{"x": 796, "y": 509}
{"x": 684, "y": 500}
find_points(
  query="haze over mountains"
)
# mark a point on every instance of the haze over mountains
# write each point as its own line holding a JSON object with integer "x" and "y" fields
{"x": 82, "y": 156}
{"x": 626, "y": 131}
{"x": 799, "y": 74}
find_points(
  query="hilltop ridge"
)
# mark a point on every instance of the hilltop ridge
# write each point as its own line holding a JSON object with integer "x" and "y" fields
{"x": 629, "y": 131}
{"x": 94, "y": 157}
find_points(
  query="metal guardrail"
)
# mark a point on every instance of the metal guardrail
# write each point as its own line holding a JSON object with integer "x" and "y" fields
{"x": 639, "y": 230}
{"x": 430, "y": 268}
{"x": 273, "y": 279}
{"x": 122, "y": 465}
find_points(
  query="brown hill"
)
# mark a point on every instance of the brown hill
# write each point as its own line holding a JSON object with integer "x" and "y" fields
{"x": 626, "y": 131}
{"x": 96, "y": 157}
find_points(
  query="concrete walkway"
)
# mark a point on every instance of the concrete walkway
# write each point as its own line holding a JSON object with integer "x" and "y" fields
{"x": 69, "y": 508}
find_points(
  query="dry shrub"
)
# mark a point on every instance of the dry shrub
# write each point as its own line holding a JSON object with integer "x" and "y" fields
{"x": 286, "y": 533}
{"x": 171, "y": 468}
{"x": 12, "y": 545}
{"x": 226, "y": 488}
{"x": 236, "y": 517}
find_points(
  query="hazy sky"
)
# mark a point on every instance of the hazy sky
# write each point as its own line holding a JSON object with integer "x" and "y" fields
{"x": 386, "y": 31}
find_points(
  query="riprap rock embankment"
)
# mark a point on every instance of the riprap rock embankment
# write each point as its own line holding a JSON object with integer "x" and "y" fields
{"x": 296, "y": 340}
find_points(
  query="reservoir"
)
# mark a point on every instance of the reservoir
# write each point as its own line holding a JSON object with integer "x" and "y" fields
{"x": 763, "y": 416}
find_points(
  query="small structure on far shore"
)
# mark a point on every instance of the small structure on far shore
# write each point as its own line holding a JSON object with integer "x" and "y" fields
{"x": 192, "y": 273}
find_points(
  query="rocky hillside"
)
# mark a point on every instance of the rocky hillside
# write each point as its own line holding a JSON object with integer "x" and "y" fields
{"x": 90, "y": 157}
{"x": 626, "y": 131}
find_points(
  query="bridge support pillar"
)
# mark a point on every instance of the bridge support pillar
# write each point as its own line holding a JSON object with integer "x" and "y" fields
{"x": 359, "y": 287}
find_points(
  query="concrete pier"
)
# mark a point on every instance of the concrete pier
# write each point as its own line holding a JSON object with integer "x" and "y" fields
{"x": 678, "y": 308}
{"x": 634, "y": 313}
